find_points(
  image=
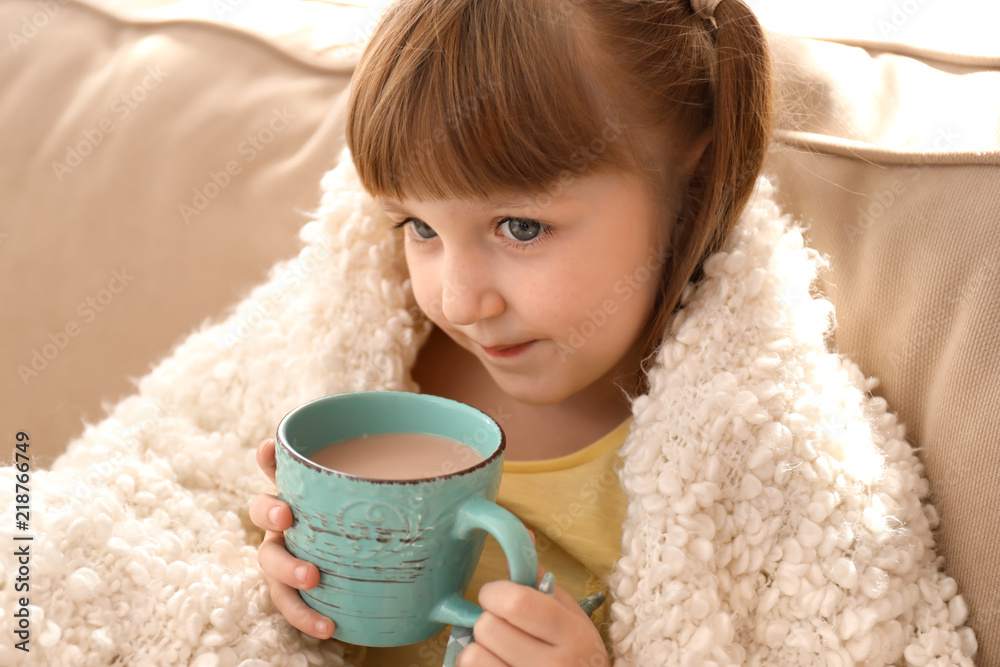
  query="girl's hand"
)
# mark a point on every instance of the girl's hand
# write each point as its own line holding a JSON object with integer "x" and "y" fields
{"x": 284, "y": 572}
{"x": 524, "y": 627}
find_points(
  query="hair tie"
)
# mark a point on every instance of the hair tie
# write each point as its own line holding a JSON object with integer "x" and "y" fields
{"x": 706, "y": 10}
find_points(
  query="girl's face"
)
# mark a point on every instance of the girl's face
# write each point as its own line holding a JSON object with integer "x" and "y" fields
{"x": 574, "y": 277}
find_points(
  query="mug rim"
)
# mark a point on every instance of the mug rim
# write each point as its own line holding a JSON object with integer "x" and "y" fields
{"x": 281, "y": 441}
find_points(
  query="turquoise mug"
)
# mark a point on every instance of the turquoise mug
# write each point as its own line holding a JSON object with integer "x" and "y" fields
{"x": 395, "y": 556}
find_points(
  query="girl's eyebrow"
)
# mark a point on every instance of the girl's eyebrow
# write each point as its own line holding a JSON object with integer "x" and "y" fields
{"x": 392, "y": 206}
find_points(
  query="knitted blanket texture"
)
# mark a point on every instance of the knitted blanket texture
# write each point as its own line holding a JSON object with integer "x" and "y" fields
{"x": 776, "y": 514}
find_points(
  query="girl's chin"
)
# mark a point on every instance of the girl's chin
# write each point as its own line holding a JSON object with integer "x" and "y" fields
{"x": 539, "y": 389}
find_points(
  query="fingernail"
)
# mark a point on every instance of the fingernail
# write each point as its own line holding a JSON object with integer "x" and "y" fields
{"x": 300, "y": 573}
{"x": 548, "y": 583}
{"x": 273, "y": 515}
{"x": 323, "y": 627}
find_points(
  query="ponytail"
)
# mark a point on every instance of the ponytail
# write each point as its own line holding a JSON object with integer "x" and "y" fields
{"x": 738, "y": 117}
{"x": 741, "y": 115}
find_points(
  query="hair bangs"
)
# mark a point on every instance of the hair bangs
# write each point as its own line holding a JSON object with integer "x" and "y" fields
{"x": 449, "y": 112}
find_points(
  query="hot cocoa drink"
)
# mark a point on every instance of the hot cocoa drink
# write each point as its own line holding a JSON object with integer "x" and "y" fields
{"x": 397, "y": 456}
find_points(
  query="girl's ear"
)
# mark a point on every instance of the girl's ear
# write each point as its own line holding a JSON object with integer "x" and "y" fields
{"x": 695, "y": 167}
{"x": 697, "y": 159}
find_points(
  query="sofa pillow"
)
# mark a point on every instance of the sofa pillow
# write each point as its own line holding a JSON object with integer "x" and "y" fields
{"x": 317, "y": 32}
{"x": 891, "y": 156}
{"x": 153, "y": 172}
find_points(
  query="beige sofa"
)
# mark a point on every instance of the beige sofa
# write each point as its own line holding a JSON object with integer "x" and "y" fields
{"x": 153, "y": 170}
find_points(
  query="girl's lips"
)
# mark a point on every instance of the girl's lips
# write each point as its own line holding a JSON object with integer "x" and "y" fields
{"x": 508, "y": 351}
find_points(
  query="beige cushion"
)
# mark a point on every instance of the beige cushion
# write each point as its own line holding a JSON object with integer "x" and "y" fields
{"x": 966, "y": 26}
{"x": 152, "y": 174}
{"x": 893, "y": 161}
{"x": 316, "y": 32}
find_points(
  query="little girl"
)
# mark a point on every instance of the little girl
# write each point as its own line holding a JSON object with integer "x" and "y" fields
{"x": 559, "y": 173}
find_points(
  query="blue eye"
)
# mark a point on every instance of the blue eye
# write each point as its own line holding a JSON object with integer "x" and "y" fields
{"x": 523, "y": 232}
{"x": 420, "y": 228}
{"x": 521, "y": 229}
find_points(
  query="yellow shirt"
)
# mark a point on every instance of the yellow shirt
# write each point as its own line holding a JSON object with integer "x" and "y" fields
{"x": 575, "y": 507}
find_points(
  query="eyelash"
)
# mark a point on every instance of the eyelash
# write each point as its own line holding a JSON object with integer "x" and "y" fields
{"x": 546, "y": 232}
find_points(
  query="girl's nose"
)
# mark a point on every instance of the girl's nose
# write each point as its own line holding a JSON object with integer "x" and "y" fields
{"x": 468, "y": 295}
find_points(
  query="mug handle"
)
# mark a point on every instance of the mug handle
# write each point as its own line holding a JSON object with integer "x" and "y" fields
{"x": 515, "y": 542}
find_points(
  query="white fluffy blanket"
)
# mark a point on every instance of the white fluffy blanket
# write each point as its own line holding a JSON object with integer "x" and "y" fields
{"x": 774, "y": 507}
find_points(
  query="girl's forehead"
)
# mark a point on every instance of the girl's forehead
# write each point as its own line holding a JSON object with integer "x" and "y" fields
{"x": 515, "y": 201}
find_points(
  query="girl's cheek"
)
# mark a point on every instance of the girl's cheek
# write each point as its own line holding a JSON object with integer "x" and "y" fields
{"x": 427, "y": 297}
{"x": 418, "y": 279}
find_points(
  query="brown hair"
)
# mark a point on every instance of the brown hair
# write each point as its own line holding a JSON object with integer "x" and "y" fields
{"x": 467, "y": 99}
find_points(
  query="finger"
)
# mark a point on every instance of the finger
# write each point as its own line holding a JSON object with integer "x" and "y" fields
{"x": 560, "y": 595}
{"x": 276, "y": 562}
{"x": 270, "y": 513}
{"x": 527, "y": 609}
{"x": 477, "y": 655}
{"x": 298, "y": 613}
{"x": 507, "y": 643}
{"x": 265, "y": 458}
